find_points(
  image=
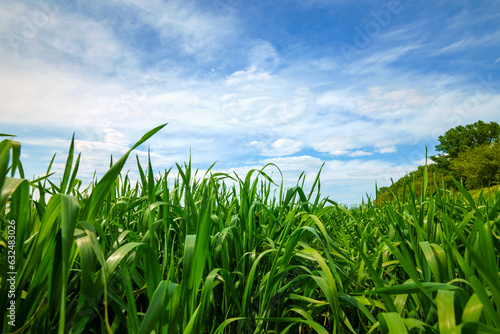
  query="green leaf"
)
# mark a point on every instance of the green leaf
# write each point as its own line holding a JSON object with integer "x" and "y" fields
{"x": 154, "y": 310}
{"x": 392, "y": 323}
{"x": 100, "y": 191}
{"x": 473, "y": 309}
{"x": 446, "y": 310}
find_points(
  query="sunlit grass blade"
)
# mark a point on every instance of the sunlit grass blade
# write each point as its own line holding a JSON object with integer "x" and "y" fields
{"x": 392, "y": 323}
{"x": 69, "y": 215}
{"x": 446, "y": 310}
{"x": 100, "y": 191}
{"x": 67, "y": 168}
{"x": 154, "y": 310}
{"x": 473, "y": 310}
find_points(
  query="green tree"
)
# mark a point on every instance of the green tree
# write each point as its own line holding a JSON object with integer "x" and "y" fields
{"x": 479, "y": 166}
{"x": 468, "y": 152}
{"x": 461, "y": 138}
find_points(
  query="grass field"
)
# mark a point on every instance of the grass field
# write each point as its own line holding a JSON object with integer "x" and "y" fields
{"x": 180, "y": 252}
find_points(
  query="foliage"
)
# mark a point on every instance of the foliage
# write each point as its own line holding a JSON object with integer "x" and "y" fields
{"x": 470, "y": 153}
{"x": 484, "y": 192}
{"x": 216, "y": 253}
{"x": 395, "y": 190}
{"x": 462, "y": 138}
{"x": 480, "y": 166}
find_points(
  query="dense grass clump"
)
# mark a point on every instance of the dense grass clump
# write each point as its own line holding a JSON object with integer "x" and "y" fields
{"x": 180, "y": 252}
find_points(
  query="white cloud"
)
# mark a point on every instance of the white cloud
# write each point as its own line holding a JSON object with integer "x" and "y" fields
{"x": 343, "y": 99}
{"x": 51, "y": 97}
{"x": 268, "y": 104}
{"x": 385, "y": 143}
{"x": 248, "y": 76}
{"x": 198, "y": 33}
{"x": 387, "y": 149}
{"x": 386, "y": 103}
{"x": 263, "y": 55}
{"x": 116, "y": 138}
{"x": 336, "y": 145}
{"x": 422, "y": 162}
{"x": 46, "y": 31}
{"x": 359, "y": 154}
{"x": 281, "y": 147}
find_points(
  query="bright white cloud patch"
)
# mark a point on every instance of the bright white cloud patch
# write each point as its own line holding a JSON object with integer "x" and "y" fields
{"x": 422, "y": 162}
{"x": 249, "y": 76}
{"x": 282, "y": 147}
{"x": 387, "y": 149}
{"x": 336, "y": 145}
{"x": 114, "y": 137}
{"x": 359, "y": 154}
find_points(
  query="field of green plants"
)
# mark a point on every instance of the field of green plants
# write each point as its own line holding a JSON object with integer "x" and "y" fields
{"x": 181, "y": 252}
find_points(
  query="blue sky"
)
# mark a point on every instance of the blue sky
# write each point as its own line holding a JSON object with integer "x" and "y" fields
{"x": 360, "y": 86}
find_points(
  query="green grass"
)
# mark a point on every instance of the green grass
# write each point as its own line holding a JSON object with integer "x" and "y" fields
{"x": 191, "y": 254}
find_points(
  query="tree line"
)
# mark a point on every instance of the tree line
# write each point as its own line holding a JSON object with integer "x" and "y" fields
{"x": 468, "y": 153}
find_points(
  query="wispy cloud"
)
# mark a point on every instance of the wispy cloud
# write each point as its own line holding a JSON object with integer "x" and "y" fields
{"x": 471, "y": 42}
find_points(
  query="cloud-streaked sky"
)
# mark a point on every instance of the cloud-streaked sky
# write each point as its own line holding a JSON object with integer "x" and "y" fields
{"x": 362, "y": 86}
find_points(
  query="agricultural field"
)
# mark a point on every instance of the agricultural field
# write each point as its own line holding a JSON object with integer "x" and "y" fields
{"x": 180, "y": 252}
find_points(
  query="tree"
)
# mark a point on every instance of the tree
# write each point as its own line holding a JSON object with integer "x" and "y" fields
{"x": 479, "y": 166}
{"x": 461, "y": 138}
{"x": 470, "y": 153}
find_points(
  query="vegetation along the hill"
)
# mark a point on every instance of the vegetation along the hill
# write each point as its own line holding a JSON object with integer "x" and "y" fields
{"x": 470, "y": 154}
{"x": 181, "y": 252}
